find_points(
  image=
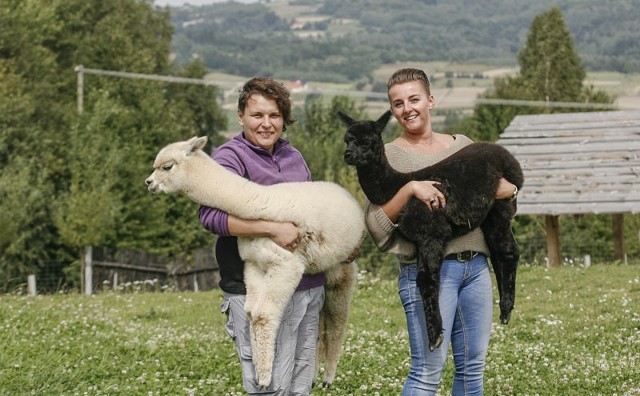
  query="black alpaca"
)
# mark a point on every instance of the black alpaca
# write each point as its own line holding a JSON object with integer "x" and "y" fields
{"x": 469, "y": 180}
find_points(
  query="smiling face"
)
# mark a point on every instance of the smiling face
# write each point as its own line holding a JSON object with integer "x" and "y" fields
{"x": 411, "y": 104}
{"x": 261, "y": 121}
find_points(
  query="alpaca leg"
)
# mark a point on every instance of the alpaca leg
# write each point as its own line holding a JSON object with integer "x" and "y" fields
{"x": 280, "y": 282}
{"x": 254, "y": 281}
{"x": 339, "y": 287}
{"x": 430, "y": 256}
{"x": 505, "y": 254}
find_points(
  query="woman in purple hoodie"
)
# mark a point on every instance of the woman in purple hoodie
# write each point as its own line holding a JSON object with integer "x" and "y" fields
{"x": 259, "y": 154}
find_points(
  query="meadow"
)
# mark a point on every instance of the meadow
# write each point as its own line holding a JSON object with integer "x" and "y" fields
{"x": 575, "y": 331}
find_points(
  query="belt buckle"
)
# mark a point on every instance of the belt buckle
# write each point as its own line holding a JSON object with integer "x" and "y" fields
{"x": 465, "y": 256}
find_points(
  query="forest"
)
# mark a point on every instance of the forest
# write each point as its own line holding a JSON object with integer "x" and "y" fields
{"x": 74, "y": 177}
{"x": 345, "y": 41}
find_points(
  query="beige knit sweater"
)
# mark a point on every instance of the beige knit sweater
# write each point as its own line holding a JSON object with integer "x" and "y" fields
{"x": 383, "y": 230}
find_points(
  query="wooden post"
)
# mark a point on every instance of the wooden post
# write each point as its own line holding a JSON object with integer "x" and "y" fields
{"x": 618, "y": 236}
{"x": 80, "y": 88}
{"x": 88, "y": 271}
{"x": 31, "y": 285}
{"x": 553, "y": 241}
{"x": 195, "y": 283}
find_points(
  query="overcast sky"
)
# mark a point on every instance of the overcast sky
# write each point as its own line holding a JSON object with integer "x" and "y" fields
{"x": 178, "y": 3}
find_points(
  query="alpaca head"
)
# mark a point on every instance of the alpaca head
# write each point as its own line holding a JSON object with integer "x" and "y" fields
{"x": 172, "y": 166}
{"x": 364, "y": 140}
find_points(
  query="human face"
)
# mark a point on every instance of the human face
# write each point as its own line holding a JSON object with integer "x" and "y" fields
{"x": 261, "y": 121}
{"x": 411, "y": 106}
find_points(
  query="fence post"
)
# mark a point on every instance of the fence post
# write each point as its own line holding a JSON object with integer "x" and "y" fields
{"x": 587, "y": 261}
{"x": 115, "y": 281}
{"x": 195, "y": 283}
{"x": 31, "y": 285}
{"x": 88, "y": 271}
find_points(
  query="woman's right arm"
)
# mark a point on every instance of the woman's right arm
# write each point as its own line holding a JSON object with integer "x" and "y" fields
{"x": 425, "y": 191}
{"x": 284, "y": 234}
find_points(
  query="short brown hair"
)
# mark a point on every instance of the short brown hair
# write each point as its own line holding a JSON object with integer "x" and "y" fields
{"x": 269, "y": 89}
{"x": 408, "y": 75}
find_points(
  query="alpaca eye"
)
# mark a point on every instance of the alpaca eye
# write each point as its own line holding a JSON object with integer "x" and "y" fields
{"x": 167, "y": 167}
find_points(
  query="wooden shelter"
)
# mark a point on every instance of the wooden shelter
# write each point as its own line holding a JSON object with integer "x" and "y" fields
{"x": 576, "y": 163}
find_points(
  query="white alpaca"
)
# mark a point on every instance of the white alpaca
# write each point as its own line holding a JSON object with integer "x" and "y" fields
{"x": 332, "y": 227}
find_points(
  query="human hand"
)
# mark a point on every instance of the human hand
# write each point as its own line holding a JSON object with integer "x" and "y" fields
{"x": 287, "y": 235}
{"x": 506, "y": 190}
{"x": 426, "y": 192}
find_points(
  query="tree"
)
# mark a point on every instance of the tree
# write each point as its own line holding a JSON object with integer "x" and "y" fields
{"x": 318, "y": 135}
{"x": 81, "y": 175}
{"x": 550, "y": 70}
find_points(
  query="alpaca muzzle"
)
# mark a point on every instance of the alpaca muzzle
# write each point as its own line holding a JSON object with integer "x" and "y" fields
{"x": 151, "y": 186}
{"x": 350, "y": 157}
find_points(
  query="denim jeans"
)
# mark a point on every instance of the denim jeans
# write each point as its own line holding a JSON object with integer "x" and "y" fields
{"x": 466, "y": 307}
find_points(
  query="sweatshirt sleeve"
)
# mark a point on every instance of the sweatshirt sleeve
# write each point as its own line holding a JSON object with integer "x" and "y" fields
{"x": 216, "y": 220}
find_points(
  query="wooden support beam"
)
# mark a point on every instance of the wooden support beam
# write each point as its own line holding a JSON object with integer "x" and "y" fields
{"x": 553, "y": 241}
{"x": 618, "y": 236}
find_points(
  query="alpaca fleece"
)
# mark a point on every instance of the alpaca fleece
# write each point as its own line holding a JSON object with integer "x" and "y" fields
{"x": 469, "y": 180}
{"x": 331, "y": 224}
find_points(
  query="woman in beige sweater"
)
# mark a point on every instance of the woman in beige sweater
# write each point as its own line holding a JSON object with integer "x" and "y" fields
{"x": 466, "y": 303}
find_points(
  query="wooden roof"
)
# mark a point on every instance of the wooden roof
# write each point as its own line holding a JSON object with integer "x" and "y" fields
{"x": 577, "y": 162}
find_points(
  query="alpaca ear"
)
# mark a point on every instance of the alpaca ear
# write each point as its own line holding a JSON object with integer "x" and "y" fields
{"x": 348, "y": 121}
{"x": 382, "y": 121}
{"x": 196, "y": 143}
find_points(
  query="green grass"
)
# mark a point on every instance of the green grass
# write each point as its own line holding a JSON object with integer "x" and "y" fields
{"x": 575, "y": 331}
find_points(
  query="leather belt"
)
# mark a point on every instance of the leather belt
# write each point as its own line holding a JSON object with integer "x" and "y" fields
{"x": 467, "y": 255}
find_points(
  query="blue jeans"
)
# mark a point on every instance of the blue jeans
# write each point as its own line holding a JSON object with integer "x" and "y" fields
{"x": 466, "y": 307}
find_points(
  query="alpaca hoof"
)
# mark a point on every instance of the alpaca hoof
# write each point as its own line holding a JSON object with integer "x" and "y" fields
{"x": 263, "y": 383}
{"x": 505, "y": 318}
{"x": 436, "y": 345}
{"x": 326, "y": 385}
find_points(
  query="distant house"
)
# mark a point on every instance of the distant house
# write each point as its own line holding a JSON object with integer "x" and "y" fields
{"x": 296, "y": 86}
{"x": 296, "y": 24}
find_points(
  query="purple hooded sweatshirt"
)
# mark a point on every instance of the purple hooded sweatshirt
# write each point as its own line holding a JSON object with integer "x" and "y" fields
{"x": 259, "y": 165}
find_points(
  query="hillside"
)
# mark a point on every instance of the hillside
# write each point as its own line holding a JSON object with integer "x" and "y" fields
{"x": 340, "y": 41}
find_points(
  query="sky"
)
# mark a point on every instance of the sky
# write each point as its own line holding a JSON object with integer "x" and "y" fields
{"x": 178, "y": 3}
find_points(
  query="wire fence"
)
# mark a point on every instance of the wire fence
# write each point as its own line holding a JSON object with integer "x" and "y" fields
{"x": 130, "y": 271}
{"x": 122, "y": 271}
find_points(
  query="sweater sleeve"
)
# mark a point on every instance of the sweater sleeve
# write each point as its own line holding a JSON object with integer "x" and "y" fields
{"x": 216, "y": 220}
{"x": 383, "y": 233}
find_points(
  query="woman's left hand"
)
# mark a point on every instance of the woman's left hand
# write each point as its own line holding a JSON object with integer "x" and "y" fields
{"x": 505, "y": 190}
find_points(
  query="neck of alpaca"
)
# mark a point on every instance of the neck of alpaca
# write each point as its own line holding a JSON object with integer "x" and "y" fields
{"x": 379, "y": 181}
{"x": 213, "y": 185}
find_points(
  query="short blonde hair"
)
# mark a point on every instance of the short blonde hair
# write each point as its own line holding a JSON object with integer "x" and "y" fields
{"x": 408, "y": 75}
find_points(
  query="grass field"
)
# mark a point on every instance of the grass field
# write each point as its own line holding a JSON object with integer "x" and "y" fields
{"x": 575, "y": 331}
